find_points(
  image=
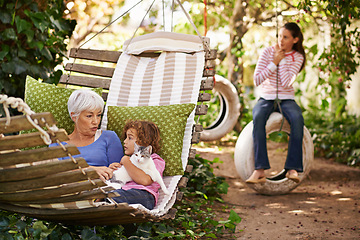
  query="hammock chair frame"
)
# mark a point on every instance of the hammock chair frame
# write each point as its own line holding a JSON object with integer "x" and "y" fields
{"x": 42, "y": 181}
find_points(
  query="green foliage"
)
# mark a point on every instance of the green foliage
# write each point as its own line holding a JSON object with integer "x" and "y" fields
{"x": 33, "y": 38}
{"x": 334, "y": 131}
{"x": 340, "y": 60}
{"x": 334, "y": 138}
{"x": 195, "y": 217}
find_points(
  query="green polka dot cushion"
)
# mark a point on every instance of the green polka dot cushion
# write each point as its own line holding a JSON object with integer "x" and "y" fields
{"x": 171, "y": 121}
{"x": 45, "y": 97}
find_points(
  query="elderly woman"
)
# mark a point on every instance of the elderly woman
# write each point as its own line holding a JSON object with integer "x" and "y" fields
{"x": 99, "y": 148}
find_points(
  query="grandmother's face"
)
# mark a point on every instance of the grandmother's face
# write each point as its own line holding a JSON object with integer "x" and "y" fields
{"x": 88, "y": 121}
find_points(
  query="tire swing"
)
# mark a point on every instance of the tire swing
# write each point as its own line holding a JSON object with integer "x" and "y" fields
{"x": 245, "y": 163}
{"x": 229, "y": 110}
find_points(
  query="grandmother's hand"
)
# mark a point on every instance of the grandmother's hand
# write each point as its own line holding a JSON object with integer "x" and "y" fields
{"x": 105, "y": 173}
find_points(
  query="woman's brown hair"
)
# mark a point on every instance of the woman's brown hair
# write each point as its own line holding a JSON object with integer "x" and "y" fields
{"x": 147, "y": 133}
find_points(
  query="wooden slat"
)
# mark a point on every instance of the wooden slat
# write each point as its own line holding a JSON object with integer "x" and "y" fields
{"x": 183, "y": 182}
{"x": 208, "y": 72}
{"x": 195, "y": 137}
{"x": 51, "y": 192}
{"x": 84, "y": 195}
{"x": 212, "y": 54}
{"x": 96, "y": 55}
{"x": 179, "y": 196}
{"x": 92, "y": 82}
{"x": 105, "y": 95}
{"x": 210, "y": 64}
{"x": 201, "y": 109}
{"x": 41, "y": 170}
{"x": 35, "y": 155}
{"x": 92, "y": 70}
{"x": 48, "y": 181}
{"x": 192, "y": 153}
{"x": 198, "y": 128}
{"x": 113, "y": 56}
{"x": 21, "y": 123}
{"x": 203, "y": 97}
{"x": 29, "y": 140}
{"x": 103, "y": 215}
{"x": 207, "y": 84}
{"x": 189, "y": 168}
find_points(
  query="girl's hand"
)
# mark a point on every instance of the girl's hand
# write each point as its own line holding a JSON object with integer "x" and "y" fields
{"x": 105, "y": 173}
{"x": 278, "y": 55}
{"x": 115, "y": 166}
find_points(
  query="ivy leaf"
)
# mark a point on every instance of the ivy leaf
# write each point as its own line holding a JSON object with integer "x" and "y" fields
{"x": 5, "y": 17}
{"x": 39, "y": 20}
{"x": 9, "y": 34}
{"x": 234, "y": 217}
{"x": 29, "y": 34}
{"x": 66, "y": 236}
{"x": 22, "y": 24}
{"x": 46, "y": 53}
{"x": 5, "y": 50}
{"x": 87, "y": 234}
{"x": 8, "y": 67}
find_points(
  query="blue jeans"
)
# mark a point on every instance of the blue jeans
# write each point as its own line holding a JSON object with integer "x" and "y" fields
{"x": 292, "y": 113}
{"x": 135, "y": 196}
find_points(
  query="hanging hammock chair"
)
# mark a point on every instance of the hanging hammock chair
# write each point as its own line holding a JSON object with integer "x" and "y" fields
{"x": 161, "y": 69}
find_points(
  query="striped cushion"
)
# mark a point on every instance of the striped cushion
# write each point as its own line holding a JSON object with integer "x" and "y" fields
{"x": 163, "y": 41}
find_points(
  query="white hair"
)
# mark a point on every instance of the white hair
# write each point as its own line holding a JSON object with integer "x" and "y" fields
{"x": 84, "y": 99}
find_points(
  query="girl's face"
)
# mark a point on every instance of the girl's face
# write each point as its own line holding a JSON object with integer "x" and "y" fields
{"x": 88, "y": 122}
{"x": 286, "y": 41}
{"x": 131, "y": 137}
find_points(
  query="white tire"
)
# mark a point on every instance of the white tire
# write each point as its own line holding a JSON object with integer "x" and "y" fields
{"x": 229, "y": 110}
{"x": 245, "y": 163}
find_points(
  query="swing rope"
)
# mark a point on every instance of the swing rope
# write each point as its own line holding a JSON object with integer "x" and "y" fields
{"x": 277, "y": 101}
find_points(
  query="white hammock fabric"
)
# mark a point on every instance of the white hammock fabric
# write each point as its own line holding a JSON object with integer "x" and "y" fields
{"x": 172, "y": 78}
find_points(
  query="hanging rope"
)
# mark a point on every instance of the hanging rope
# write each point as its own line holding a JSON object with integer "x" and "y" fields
{"x": 21, "y": 106}
{"x": 163, "y": 10}
{"x": 205, "y": 18}
{"x": 111, "y": 23}
{"x": 277, "y": 101}
{"x": 77, "y": 49}
{"x": 142, "y": 20}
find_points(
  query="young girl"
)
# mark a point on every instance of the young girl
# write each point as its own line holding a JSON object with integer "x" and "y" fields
{"x": 142, "y": 190}
{"x": 281, "y": 62}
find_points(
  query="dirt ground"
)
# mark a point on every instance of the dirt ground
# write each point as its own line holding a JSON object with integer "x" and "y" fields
{"x": 326, "y": 205}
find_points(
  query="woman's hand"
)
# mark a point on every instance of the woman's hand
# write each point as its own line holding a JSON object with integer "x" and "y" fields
{"x": 105, "y": 173}
{"x": 278, "y": 55}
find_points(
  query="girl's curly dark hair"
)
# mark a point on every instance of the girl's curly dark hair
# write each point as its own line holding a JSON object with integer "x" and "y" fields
{"x": 147, "y": 133}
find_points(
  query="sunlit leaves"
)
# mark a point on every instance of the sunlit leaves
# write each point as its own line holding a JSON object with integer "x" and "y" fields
{"x": 32, "y": 40}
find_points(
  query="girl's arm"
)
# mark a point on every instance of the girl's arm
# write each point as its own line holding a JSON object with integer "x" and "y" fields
{"x": 138, "y": 175}
{"x": 265, "y": 66}
{"x": 289, "y": 70}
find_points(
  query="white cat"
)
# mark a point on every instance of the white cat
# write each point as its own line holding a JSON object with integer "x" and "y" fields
{"x": 142, "y": 159}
